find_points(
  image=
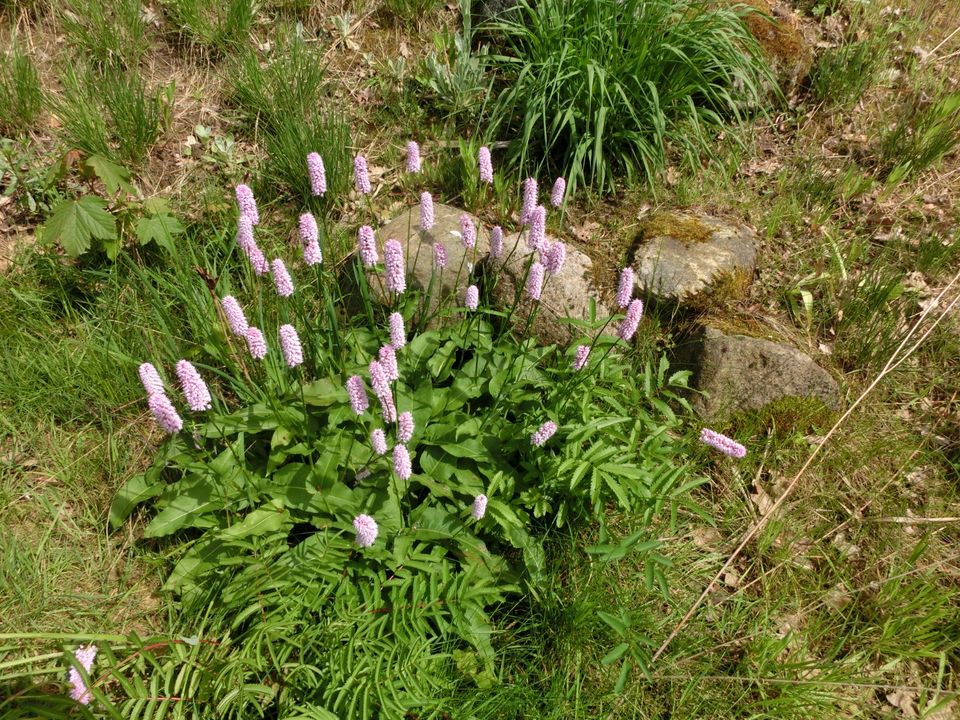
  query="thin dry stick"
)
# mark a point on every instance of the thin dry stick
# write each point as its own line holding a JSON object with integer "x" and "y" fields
{"x": 889, "y": 367}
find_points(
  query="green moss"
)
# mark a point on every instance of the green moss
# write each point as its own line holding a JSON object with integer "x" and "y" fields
{"x": 687, "y": 229}
{"x": 784, "y": 418}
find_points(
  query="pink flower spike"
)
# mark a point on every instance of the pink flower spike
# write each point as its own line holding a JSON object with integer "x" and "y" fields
{"x": 308, "y": 229}
{"x": 318, "y": 174}
{"x": 529, "y": 200}
{"x": 194, "y": 388}
{"x": 468, "y": 233}
{"x": 543, "y": 433}
{"x": 537, "y": 238}
{"x": 413, "y": 157}
{"x": 486, "y": 165}
{"x": 556, "y": 256}
{"x": 559, "y": 190}
{"x": 312, "y": 254}
{"x": 378, "y": 379}
{"x": 357, "y": 394}
{"x": 472, "y": 299}
{"x": 256, "y": 344}
{"x": 396, "y": 279}
{"x": 367, "y": 246}
{"x": 726, "y": 445}
{"x": 281, "y": 278}
{"x": 581, "y": 357}
{"x": 479, "y": 507}
{"x": 361, "y": 177}
{"x": 496, "y": 241}
{"x": 150, "y": 379}
{"x": 378, "y": 441}
{"x": 398, "y": 334}
{"x": 426, "y": 211}
{"x": 164, "y": 412}
{"x": 78, "y": 688}
{"x": 401, "y": 462}
{"x": 388, "y": 361}
{"x": 631, "y": 322}
{"x": 247, "y": 205}
{"x": 535, "y": 281}
{"x": 290, "y": 345}
{"x": 257, "y": 260}
{"x": 625, "y": 288}
{"x": 439, "y": 255}
{"x": 234, "y": 314}
{"x": 366, "y": 529}
{"x": 245, "y": 233}
{"x": 405, "y": 427}
{"x": 388, "y": 410}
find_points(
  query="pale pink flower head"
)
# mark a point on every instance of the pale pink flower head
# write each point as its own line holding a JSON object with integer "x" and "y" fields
{"x": 281, "y": 278}
{"x": 245, "y": 233}
{"x": 543, "y": 433}
{"x": 194, "y": 388}
{"x": 366, "y": 529}
{"x": 472, "y": 298}
{"x": 625, "y": 288}
{"x": 309, "y": 233}
{"x": 150, "y": 379}
{"x": 246, "y": 204}
{"x": 535, "y": 281}
{"x": 361, "y": 177}
{"x": 367, "y": 246}
{"x": 396, "y": 277}
{"x": 426, "y": 211}
{"x": 318, "y": 174}
{"x": 388, "y": 361}
{"x": 556, "y": 255}
{"x": 439, "y": 255}
{"x": 559, "y": 190}
{"x": 257, "y": 260}
{"x": 496, "y": 241}
{"x": 722, "y": 443}
{"x": 164, "y": 412}
{"x": 468, "y": 232}
{"x": 479, "y": 507}
{"x": 378, "y": 379}
{"x": 401, "y": 462}
{"x": 486, "y": 165}
{"x": 235, "y": 317}
{"x": 529, "y": 200}
{"x": 581, "y": 356}
{"x": 628, "y": 326}
{"x": 405, "y": 427}
{"x": 357, "y": 394}
{"x": 398, "y": 334}
{"x": 256, "y": 343}
{"x": 413, "y": 157}
{"x": 79, "y": 691}
{"x": 537, "y": 238}
{"x": 388, "y": 410}
{"x": 312, "y": 255}
{"x": 378, "y": 441}
{"x": 290, "y": 345}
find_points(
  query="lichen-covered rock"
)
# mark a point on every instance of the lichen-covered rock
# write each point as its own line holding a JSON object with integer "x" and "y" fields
{"x": 418, "y": 252}
{"x": 738, "y": 372}
{"x": 568, "y": 294}
{"x": 685, "y": 257}
{"x": 779, "y": 33}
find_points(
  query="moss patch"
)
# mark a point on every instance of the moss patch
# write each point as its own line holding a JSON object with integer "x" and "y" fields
{"x": 778, "y": 33}
{"x": 688, "y": 229}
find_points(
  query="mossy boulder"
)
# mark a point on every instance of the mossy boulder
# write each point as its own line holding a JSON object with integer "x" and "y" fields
{"x": 779, "y": 32}
{"x": 694, "y": 259}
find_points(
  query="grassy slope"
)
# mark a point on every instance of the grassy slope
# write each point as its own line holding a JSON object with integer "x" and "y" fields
{"x": 844, "y": 605}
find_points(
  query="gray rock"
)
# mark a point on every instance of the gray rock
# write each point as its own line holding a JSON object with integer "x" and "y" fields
{"x": 565, "y": 295}
{"x": 418, "y": 246}
{"x": 684, "y": 256}
{"x": 739, "y": 372}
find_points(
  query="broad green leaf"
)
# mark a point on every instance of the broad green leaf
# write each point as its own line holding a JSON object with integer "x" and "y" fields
{"x": 267, "y": 518}
{"x": 323, "y": 392}
{"x": 185, "y": 510}
{"x": 75, "y": 223}
{"x": 614, "y": 654}
{"x": 114, "y": 177}
{"x": 200, "y": 558}
{"x": 134, "y": 491}
{"x": 160, "y": 229}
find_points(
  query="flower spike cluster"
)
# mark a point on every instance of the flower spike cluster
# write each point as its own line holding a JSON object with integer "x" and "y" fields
{"x": 366, "y": 529}
{"x": 194, "y": 388}
{"x": 543, "y": 433}
{"x": 318, "y": 174}
{"x": 486, "y": 165}
{"x": 79, "y": 691}
{"x": 722, "y": 443}
{"x": 426, "y": 211}
{"x": 290, "y": 345}
{"x": 256, "y": 343}
{"x": 413, "y": 157}
{"x": 361, "y": 177}
{"x": 158, "y": 402}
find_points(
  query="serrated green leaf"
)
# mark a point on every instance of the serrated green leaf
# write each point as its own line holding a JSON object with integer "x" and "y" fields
{"x": 114, "y": 177}
{"x": 75, "y": 223}
{"x": 160, "y": 229}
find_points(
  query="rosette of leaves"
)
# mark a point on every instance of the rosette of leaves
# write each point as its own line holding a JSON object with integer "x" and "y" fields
{"x": 261, "y": 500}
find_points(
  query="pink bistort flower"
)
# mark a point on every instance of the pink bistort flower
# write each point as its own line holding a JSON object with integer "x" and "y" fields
{"x": 388, "y": 361}
{"x": 543, "y": 433}
{"x": 361, "y": 177}
{"x": 398, "y": 334}
{"x": 396, "y": 278}
{"x": 366, "y": 529}
{"x": 556, "y": 255}
{"x": 357, "y": 394}
{"x": 468, "y": 232}
{"x": 318, "y": 174}
{"x": 471, "y": 299}
{"x": 78, "y": 688}
{"x": 234, "y": 315}
{"x": 256, "y": 343}
{"x": 722, "y": 443}
{"x": 439, "y": 255}
{"x": 246, "y": 203}
{"x": 581, "y": 356}
{"x": 257, "y": 260}
{"x": 479, "y": 507}
{"x": 367, "y": 246}
{"x": 401, "y": 462}
{"x": 164, "y": 412}
{"x": 559, "y": 190}
{"x": 486, "y": 165}
{"x": 529, "y": 200}
{"x": 290, "y": 345}
{"x": 625, "y": 288}
{"x": 194, "y": 388}
{"x": 150, "y": 379}
{"x": 413, "y": 157}
{"x": 378, "y": 379}
{"x": 496, "y": 241}
{"x": 245, "y": 233}
{"x": 405, "y": 427}
{"x": 281, "y": 278}
{"x": 535, "y": 281}
{"x": 628, "y": 326}
{"x": 426, "y": 211}
{"x": 537, "y": 238}
{"x": 378, "y": 441}
{"x": 309, "y": 233}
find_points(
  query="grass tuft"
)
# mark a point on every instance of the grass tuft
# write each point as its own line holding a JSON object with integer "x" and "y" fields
{"x": 21, "y": 97}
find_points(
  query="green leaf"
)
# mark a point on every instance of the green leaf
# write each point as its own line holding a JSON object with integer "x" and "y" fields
{"x": 185, "y": 510}
{"x": 134, "y": 491}
{"x": 267, "y": 518}
{"x": 614, "y": 654}
{"x": 160, "y": 229}
{"x": 322, "y": 393}
{"x": 113, "y": 176}
{"x": 75, "y": 223}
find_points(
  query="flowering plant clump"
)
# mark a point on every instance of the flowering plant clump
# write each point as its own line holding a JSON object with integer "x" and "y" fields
{"x": 337, "y": 472}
